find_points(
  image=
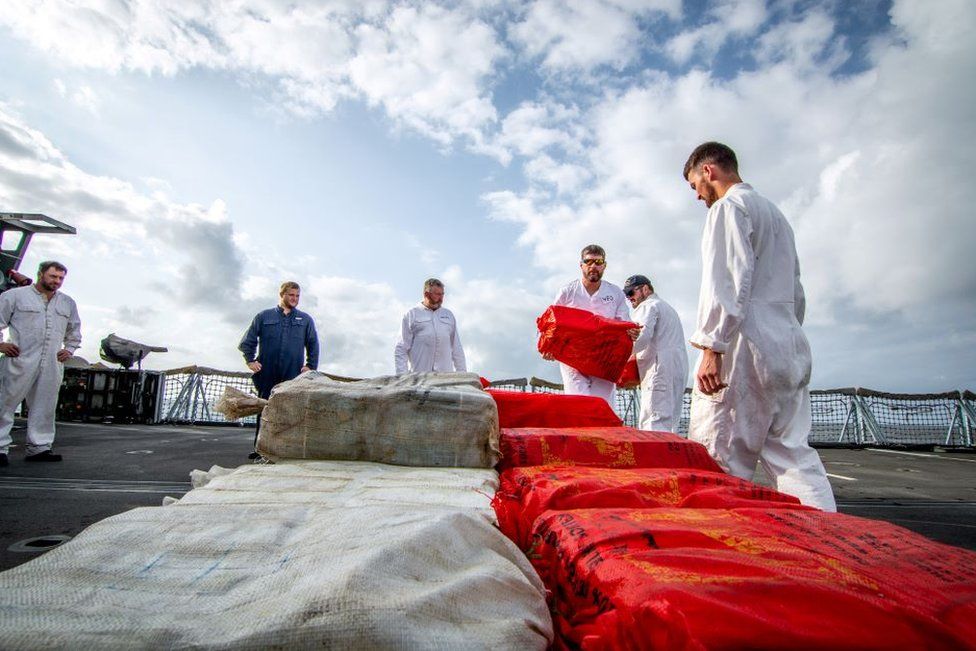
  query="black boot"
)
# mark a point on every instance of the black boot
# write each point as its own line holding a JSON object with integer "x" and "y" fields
{"x": 47, "y": 455}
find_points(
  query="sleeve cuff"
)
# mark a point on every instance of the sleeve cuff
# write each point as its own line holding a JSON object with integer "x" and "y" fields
{"x": 707, "y": 343}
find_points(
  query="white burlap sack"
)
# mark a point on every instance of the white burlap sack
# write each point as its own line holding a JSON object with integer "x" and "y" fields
{"x": 207, "y": 574}
{"x": 200, "y": 478}
{"x": 426, "y": 419}
{"x": 235, "y": 404}
{"x": 348, "y": 484}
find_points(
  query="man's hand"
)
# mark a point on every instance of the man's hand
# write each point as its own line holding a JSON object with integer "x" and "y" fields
{"x": 548, "y": 357}
{"x": 10, "y": 350}
{"x": 710, "y": 373}
{"x": 63, "y": 355}
{"x": 634, "y": 333}
{"x": 254, "y": 366}
{"x": 305, "y": 369}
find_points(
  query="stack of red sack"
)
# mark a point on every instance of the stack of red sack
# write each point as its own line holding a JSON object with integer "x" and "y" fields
{"x": 643, "y": 542}
{"x": 750, "y": 578}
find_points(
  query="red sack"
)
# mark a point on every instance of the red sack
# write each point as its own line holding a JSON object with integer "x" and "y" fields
{"x": 592, "y": 344}
{"x": 525, "y": 493}
{"x": 607, "y": 447}
{"x": 630, "y": 376}
{"x": 751, "y": 579}
{"x": 524, "y": 409}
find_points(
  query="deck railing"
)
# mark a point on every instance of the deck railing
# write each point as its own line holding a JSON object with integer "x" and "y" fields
{"x": 846, "y": 417}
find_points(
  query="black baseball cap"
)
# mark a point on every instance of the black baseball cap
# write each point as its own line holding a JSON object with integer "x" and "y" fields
{"x": 634, "y": 282}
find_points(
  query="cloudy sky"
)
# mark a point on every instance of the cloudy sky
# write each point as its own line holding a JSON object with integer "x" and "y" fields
{"x": 206, "y": 151}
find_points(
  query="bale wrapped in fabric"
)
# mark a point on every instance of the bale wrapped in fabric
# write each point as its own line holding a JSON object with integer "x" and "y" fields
{"x": 751, "y": 579}
{"x": 605, "y": 447}
{"x": 630, "y": 376}
{"x": 279, "y": 576}
{"x": 235, "y": 404}
{"x": 348, "y": 484}
{"x": 525, "y": 409}
{"x": 425, "y": 419}
{"x": 592, "y": 344}
{"x": 525, "y": 493}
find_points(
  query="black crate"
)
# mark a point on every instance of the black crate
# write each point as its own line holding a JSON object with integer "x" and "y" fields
{"x": 98, "y": 396}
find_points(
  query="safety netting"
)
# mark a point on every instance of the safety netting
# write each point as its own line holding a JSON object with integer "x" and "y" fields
{"x": 845, "y": 416}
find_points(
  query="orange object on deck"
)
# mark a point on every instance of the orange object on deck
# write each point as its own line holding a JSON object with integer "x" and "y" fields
{"x": 751, "y": 579}
{"x": 630, "y": 376}
{"x": 524, "y": 409}
{"x": 608, "y": 447}
{"x": 525, "y": 493}
{"x": 592, "y": 344}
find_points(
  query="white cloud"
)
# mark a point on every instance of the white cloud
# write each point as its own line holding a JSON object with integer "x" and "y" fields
{"x": 807, "y": 44}
{"x": 583, "y": 34}
{"x": 565, "y": 178}
{"x": 426, "y": 67}
{"x": 728, "y": 19}
{"x": 181, "y": 257}
{"x": 881, "y": 229}
{"x": 533, "y": 127}
{"x": 870, "y": 167}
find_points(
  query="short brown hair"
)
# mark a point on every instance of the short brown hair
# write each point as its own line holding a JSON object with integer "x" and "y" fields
{"x": 593, "y": 249}
{"x": 288, "y": 285}
{"x": 47, "y": 264}
{"x": 432, "y": 282}
{"x": 714, "y": 153}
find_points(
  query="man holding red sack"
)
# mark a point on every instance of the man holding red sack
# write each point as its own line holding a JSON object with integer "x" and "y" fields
{"x": 593, "y": 294}
{"x": 752, "y": 399}
{"x": 662, "y": 359}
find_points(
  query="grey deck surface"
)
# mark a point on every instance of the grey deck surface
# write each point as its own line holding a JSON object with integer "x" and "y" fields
{"x": 112, "y": 468}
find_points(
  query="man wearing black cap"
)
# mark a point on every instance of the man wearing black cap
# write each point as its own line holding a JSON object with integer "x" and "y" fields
{"x": 662, "y": 358}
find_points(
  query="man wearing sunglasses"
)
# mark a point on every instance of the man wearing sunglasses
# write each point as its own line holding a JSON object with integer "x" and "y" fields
{"x": 595, "y": 295}
{"x": 752, "y": 400}
{"x": 662, "y": 359}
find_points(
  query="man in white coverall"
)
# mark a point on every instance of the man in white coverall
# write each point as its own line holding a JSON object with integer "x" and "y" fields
{"x": 429, "y": 339}
{"x": 44, "y": 331}
{"x": 662, "y": 359}
{"x": 751, "y": 400}
{"x": 593, "y": 294}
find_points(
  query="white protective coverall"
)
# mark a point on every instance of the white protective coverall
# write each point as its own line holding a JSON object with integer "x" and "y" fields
{"x": 750, "y": 309}
{"x": 608, "y": 301}
{"x": 662, "y": 359}
{"x": 40, "y": 328}
{"x": 429, "y": 341}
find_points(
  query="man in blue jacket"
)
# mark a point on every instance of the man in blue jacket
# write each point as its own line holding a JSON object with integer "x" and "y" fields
{"x": 280, "y": 344}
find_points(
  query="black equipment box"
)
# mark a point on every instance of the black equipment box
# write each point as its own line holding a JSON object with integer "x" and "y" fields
{"x": 111, "y": 395}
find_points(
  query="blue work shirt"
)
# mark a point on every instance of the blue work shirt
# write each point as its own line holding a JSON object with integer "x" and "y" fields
{"x": 282, "y": 343}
